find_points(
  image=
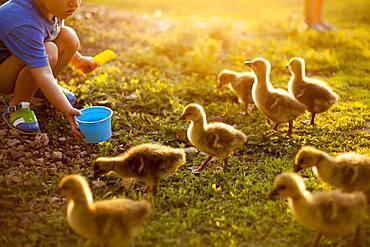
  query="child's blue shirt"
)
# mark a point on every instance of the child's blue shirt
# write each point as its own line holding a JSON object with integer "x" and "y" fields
{"x": 23, "y": 32}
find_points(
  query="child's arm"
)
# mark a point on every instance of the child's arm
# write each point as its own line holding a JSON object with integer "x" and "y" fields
{"x": 83, "y": 63}
{"x": 45, "y": 81}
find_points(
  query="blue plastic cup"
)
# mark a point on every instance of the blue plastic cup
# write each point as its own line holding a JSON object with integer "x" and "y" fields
{"x": 95, "y": 123}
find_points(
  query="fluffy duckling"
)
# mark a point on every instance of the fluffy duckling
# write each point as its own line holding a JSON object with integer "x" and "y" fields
{"x": 348, "y": 172}
{"x": 329, "y": 212}
{"x": 314, "y": 94}
{"x": 110, "y": 223}
{"x": 215, "y": 139}
{"x": 240, "y": 83}
{"x": 276, "y": 104}
{"x": 147, "y": 162}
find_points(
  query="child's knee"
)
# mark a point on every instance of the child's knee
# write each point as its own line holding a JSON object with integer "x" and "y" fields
{"x": 70, "y": 39}
{"x": 52, "y": 52}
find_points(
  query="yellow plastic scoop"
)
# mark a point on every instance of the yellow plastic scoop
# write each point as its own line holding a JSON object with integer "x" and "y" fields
{"x": 104, "y": 57}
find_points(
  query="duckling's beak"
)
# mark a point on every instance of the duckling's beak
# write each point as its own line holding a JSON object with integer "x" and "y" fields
{"x": 272, "y": 194}
{"x": 297, "y": 168}
{"x": 182, "y": 117}
{"x": 248, "y": 63}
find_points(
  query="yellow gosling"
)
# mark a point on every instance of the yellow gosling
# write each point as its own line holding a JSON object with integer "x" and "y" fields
{"x": 313, "y": 93}
{"x": 240, "y": 83}
{"x": 276, "y": 104}
{"x": 215, "y": 139}
{"x": 147, "y": 162}
{"x": 109, "y": 223}
{"x": 348, "y": 172}
{"x": 328, "y": 212}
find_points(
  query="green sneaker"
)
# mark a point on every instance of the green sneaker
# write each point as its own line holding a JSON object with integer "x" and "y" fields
{"x": 69, "y": 95}
{"x": 21, "y": 118}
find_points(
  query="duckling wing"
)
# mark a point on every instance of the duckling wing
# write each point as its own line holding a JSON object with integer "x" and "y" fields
{"x": 337, "y": 208}
{"x": 219, "y": 136}
{"x": 118, "y": 217}
{"x": 354, "y": 172}
{"x": 320, "y": 95}
{"x": 246, "y": 84}
{"x": 280, "y": 102}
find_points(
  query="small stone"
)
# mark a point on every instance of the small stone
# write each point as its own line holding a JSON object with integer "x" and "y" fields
{"x": 27, "y": 183}
{"x": 62, "y": 139}
{"x": 55, "y": 200}
{"x": 3, "y": 132}
{"x": 13, "y": 142}
{"x": 191, "y": 150}
{"x": 30, "y": 143}
{"x": 20, "y": 148}
{"x": 22, "y": 159}
{"x": 81, "y": 160}
{"x": 40, "y": 161}
{"x": 83, "y": 153}
{"x": 31, "y": 162}
{"x": 47, "y": 154}
{"x": 57, "y": 155}
{"x": 14, "y": 133}
{"x": 131, "y": 96}
{"x": 94, "y": 156}
{"x": 53, "y": 170}
{"x": 98, "y": 183}
{"x": 15, "y": 155}
{"x": 42, "y": 138}
{"x": 15, "y": 179}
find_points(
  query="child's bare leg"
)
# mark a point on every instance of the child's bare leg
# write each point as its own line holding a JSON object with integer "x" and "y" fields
{"x": 9, "y": 70}
{"x": 68, "y": 44}
{"x": 25, "y": 86}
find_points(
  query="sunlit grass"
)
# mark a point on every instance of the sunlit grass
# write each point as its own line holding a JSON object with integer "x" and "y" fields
{"x": 170, "y": 59}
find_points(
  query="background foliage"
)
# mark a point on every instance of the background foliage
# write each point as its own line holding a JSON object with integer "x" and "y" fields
{"x": 170, "y": 53}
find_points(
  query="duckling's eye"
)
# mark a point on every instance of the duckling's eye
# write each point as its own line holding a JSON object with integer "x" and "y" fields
{"x": 300, "y": 161}
{"x": 281, "y": 187}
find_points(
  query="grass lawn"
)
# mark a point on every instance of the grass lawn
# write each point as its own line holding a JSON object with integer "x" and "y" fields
{"x": 170, "y": 53}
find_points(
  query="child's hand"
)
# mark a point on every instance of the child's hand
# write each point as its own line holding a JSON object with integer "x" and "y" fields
{"x": 85, "y": 64}
{"x": 75, "y": 129}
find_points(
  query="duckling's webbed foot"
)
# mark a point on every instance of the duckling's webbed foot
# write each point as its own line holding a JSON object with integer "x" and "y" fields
{"x": 355, "y": 241}
{"x": 313, "y": 118}
{"x": 150, "y": 188}
{"x": 200, "y": 168}
{"x": 290, "y": 130}
{"x": 226, "y": 168}
{"x": 317, "y": 240}
{"x": 246, "y": 111}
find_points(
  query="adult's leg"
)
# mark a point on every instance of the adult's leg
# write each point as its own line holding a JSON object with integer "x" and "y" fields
{"x": 68, "y": 44}
{"x": 309, "y": 12}
{"x": 317, "y": 11}
{"x": 25, "y": 86}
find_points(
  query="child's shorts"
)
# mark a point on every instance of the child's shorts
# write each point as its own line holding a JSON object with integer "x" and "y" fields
{"x": 4, "y": 52}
